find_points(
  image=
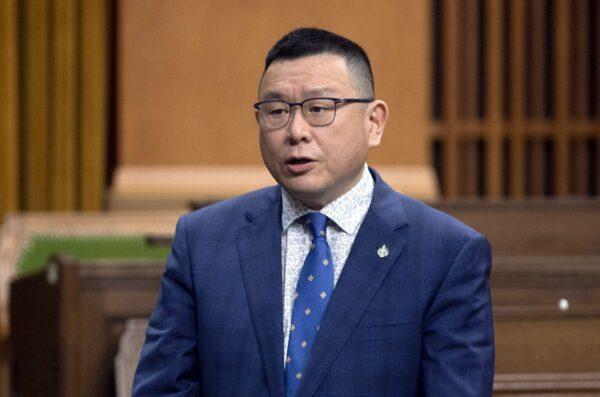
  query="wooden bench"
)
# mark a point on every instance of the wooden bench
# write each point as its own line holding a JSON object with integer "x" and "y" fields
{"x": 547, "y": 314}
{"x": 66, "y": 323}
{"x": 545, "y": 289}
{"x": 534, "y": 227}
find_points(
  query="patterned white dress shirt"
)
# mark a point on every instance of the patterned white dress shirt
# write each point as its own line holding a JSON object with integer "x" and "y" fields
{"x": 345, "y": 214}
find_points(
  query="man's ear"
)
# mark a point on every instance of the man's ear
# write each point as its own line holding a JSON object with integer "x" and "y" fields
{"x": 378, "y": 114}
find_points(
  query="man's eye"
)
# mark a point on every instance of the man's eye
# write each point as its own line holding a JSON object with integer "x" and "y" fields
{"x": 277, "y": 112}
{"x": 317, "y": 109}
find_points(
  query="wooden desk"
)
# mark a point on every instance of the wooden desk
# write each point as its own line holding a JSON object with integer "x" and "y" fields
{"x": 534, "y": 227}
{"x": 66, "y": 323}
{"x": 545, "y": 347}
{"x": 4, "y": 368}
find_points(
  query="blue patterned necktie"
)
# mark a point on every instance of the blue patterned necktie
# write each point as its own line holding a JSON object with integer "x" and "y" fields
{"x": 313, "y": 290}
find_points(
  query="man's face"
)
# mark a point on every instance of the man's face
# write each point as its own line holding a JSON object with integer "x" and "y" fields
{"x": 316, "y": 165}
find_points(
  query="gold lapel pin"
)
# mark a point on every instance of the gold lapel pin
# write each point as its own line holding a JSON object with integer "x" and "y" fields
{"x": 383, "y": 251}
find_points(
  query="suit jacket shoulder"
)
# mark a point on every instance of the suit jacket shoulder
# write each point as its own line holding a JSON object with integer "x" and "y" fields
{"x": 427, "y": 226}
{"x": 234, "y": 213}
{"x": 439, "y": 225}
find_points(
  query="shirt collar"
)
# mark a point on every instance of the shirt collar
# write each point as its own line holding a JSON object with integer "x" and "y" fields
{"x": 347, "y": 211}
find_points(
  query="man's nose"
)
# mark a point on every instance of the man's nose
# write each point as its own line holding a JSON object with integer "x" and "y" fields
{"x": 298, "y": 127}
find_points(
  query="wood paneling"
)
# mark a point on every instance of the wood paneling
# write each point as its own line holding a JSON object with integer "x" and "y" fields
{"x": 4, "y": 368}
{"x": 533, "y": 333}
{"x": 67, "y": 322}
{"x": 64, "y": 98}
{"x": 493, "y": 64}
{"x": 561, "y": 95}
{"x": 540, "y": 131}
{"x": 545, "y": 227}
{"x": 450, "y": 94}
{"x": 547, "y": 384}
{"x": 77, "y": 311}
{"x": 188, "y": 73}
{"x": 536, "y": 58}
{"x": 516, "y": 47}
{"x": 9, "y": 137}
{"x": 35, "y": 113}
{"x": 94, "y": 102}
{"x": 54, "y": 82}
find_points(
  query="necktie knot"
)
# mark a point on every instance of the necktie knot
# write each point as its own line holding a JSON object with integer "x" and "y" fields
{"x": 317, "y": 223}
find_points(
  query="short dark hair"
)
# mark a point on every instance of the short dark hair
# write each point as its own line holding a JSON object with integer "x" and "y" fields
{"x": 304, "y": 42}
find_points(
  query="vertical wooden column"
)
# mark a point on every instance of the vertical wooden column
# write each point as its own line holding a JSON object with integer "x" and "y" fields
{"x": 36, "y": 104}
{"x": 580, "y": 60}
{"x": 94, "y": 106}
{"x": 538, "y": 59}
{"x": 469, "y": 99}
{"x": 561, "y": 96}
{"x": 64, "y": 94}
{"x": 62, "y": 68}
{"x": 596, "y": 128}
{"x": 9, "y": 155}
{"x": 469, "y": 49}
{"x": 579, "y": 94}
{"x": 493, "y": 83}
{"x": 9, "y": 137}
{"x": 517, "y": 99}
{"x": 537, "y": 95}
{"x": 549, "y": 144}
{"x": 450, "y": 99}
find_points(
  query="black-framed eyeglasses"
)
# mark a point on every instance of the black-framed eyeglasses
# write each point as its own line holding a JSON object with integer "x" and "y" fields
{"x": 318, "y": 112}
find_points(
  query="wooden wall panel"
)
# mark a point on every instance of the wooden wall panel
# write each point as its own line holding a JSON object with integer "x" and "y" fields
{"x": 9, "y": 137}
{"x": 517, "y": 96}
{"x": 54, "y": 84}
{"x": 450, "y": 95}
{"x": 188, "y": 73}
{"x": 561, "y": 95}
{"x": 536, "y": 93}
{"x": 64, "y": 97}
{"x": 469, "y": 98}
{"x": 579, "y": 94}
{"x": 493, "y": 82}
{"x": 596, "y": 106}
{"x": 94, "y": 111}
{"x": 36, "y": 105}
{"x": 539, "y": 134}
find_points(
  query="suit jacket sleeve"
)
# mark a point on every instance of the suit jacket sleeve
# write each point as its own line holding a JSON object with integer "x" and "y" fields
{"x": 168, "y": 364}
{"x": 458, "y": 342}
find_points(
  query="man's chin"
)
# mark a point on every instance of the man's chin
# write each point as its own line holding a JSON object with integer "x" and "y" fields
{"x": 308, "y": 194}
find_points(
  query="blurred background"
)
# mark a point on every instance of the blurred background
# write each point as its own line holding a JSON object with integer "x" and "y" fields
{"x": 118, "y": 116}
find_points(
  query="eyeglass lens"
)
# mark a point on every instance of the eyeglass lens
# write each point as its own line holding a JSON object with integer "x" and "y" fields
{"x": 317, "y": 112}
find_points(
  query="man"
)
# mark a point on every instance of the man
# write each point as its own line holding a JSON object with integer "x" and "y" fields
{"x": 331, "y": 283}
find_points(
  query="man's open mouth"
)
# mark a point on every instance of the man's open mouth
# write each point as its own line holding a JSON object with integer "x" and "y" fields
{"x": 299, "y": 165}
{"x": 301, "y": 160}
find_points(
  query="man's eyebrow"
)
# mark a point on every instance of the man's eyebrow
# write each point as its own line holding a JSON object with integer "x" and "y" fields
{"x": 270, "y": 95}
{"x": 315, "y": 92}
{"x": 312, "y": 93}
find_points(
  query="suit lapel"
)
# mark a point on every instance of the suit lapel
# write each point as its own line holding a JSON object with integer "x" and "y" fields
{"x": 259, "y": 246}
{"x": 363, "y": 273}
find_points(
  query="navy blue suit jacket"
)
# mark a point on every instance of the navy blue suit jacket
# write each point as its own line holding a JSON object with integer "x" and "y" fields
{"x": 417, "y": 322}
